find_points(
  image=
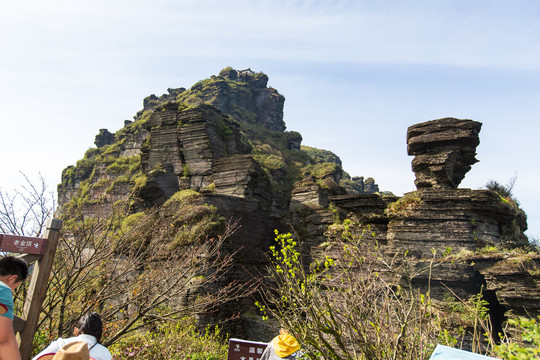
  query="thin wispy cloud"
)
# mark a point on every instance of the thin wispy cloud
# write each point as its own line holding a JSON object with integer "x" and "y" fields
{"x": 368, "y": 68}
{"x": 482, "y": 33}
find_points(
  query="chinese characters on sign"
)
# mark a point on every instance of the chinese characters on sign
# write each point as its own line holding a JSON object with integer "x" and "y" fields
{"x": 245, "y": 350}
{"x": 22, "y": 244}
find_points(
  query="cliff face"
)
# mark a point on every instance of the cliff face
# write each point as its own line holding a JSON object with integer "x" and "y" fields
{"x": 183, "y": 149}
{"x": 473, "y": 224}
{"x": 224, "y": 136}
{"x": 225, "y": 139}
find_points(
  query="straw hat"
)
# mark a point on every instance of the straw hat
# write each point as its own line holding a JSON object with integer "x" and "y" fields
{"x": 73, "y": 351}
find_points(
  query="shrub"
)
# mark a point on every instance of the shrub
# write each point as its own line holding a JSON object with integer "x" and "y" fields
{"x": 511, "y": 234}
{"x": 350, "y": 307}
{"x": 172, "y": 341}
{"x": 526, "y": 345}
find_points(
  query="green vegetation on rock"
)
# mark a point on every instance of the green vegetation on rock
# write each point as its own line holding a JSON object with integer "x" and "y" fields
{"x": 321, "y": 156}
{"x": 514, "y": 233}
{"x": 192, "y": 219}
{"x": 400, "y": 207}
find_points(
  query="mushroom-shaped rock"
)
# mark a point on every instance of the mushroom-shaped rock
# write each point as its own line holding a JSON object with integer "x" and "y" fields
{"x": 443, "y": 150}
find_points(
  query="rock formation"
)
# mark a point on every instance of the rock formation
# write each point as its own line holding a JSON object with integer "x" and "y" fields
{"x": 225, "y": 139}
{"x": 186, "y": 138}
{"x": 444, "y": 151}
{"x": 439, "y": 217}
{"x": 104, "y": 138}
{"x": 182, "y": 152}
{"x": 152, "y": 101}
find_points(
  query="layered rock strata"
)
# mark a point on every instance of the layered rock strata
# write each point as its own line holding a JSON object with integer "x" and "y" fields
{"x": 444, "y": 151}
{"x": 437, "y": 217}
{"x": 183, "y": 149}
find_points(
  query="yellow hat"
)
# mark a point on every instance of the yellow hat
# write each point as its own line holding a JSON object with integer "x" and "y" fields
{"x": 285, "y": 345}
{"x": 73, "y": 351}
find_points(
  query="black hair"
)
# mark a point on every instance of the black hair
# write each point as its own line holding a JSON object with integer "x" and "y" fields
{"x": 10, "y": 265}
{"x": 90, "y": 324}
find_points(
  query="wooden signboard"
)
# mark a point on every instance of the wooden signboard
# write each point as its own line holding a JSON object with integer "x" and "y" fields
{"x": 40, "y": 252}
{"x": 245, "y": 350}
{"x": 22, "y": 244}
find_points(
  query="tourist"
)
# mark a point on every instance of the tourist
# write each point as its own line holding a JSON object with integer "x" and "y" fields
{"x": 13, "y": 271}
{"x": 283, "y": 346}
{"x": 88, "y": 330}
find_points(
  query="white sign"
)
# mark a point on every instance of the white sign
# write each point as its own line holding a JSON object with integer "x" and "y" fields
{"x": 442, "y": 352}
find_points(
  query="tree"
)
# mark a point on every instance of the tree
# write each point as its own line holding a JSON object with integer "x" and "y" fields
{"x": 358, "y": 305}
{"x": 133, "y": 277}
{"x": 505, "y": 191}
{"x": 135, "y": 269}
{"x": 25, "y": 210}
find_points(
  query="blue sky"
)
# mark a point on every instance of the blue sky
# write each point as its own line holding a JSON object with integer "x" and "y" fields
{"x": 355, "y": 75}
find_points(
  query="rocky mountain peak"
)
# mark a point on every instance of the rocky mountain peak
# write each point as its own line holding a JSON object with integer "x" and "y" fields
{"x": 243, "y": 94}
{"x": 252, "y": 79}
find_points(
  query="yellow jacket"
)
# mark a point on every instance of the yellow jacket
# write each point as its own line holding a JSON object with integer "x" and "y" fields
{"x": 285, "y": 345}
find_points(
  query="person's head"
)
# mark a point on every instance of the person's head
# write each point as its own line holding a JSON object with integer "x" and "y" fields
{"x": 13, "y": 271}
{"x": 285, "y": 344}
{"x": 90, "y": 324}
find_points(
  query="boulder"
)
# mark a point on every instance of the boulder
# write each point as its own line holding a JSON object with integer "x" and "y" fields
{"x": 104, "y": 137}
